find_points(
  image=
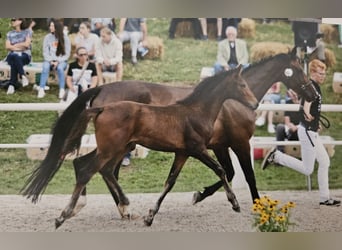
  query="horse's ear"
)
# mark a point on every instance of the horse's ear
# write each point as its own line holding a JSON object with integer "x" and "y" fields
{"x": 239, "y": 68}
{"x": 293, "y": 53}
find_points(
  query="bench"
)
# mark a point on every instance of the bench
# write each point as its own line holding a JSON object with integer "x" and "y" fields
{"x": 33, "y": 71}
{"x": 337, "y": 82}
{"x": 38, "y": 145}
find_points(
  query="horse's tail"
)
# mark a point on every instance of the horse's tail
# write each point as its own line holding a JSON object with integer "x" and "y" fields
{"x": 67, "y": 135}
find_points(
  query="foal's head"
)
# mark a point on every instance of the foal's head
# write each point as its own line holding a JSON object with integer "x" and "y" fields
{"x": 239, "y": 89}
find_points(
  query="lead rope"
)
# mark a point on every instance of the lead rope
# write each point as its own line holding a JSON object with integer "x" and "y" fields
{"x": 325, "y": 123}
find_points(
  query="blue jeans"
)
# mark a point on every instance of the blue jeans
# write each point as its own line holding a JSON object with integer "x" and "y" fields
{"x": 218, "y": 67}
{"x": 60, "y": 73}
{"x": 17, "y": 60}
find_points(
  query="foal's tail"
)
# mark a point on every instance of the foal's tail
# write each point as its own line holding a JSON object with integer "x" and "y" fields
{"x": 67, "y": 135}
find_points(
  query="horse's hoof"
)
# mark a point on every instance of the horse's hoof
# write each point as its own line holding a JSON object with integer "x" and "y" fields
{"x": 58, "y": 222}
{"x": 237, "y": 209}
{"x": 196, "y": 197}
{"x": 135, "y": 216}
{"x": 148, "y": 220}
{"x": 130, "y": 217}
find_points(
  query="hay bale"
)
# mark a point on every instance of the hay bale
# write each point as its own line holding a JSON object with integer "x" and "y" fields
{"x": 266, "y": 49}
{"x": 185, "y": 29}
{"x": 330, "y": 59}
{"x": 330, "y": 33}
{"x": 246, "y": 28}
{"x": 154, "y": 44}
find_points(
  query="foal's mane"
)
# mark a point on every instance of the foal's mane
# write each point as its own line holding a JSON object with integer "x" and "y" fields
{"x": 205, "y": 87}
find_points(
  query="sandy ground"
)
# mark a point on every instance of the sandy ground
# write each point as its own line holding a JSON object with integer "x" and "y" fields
{"x": 176, "y": 214}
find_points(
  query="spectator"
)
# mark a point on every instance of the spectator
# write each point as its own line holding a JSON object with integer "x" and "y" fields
{"x": 229, "y": 22}
{"x": 81, "y": 73}
{"x": 18, "y": 44}
{"x": 85, "y": 38}
{"x": 203, "y": 22}
{"x": 56, "y": 52}
{"x": 312, "y": 147}
{"x": 135, "y": 31}
{"x": 108, "y": 54}
{"x": 231, "y": 52}
{"x": 195, "y": 24}
{"x": 98, "y": 23}
{"x": 288, "y": 129}
{"x": 272, "y": 96}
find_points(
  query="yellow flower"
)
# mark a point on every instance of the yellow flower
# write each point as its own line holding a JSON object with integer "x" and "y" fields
{"x": 268, "y": 217}
{"x": 291, "y": 204}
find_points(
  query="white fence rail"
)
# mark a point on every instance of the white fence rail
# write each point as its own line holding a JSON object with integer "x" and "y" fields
{"x": 238, "y": 181}
{"x": 62, "y": 106}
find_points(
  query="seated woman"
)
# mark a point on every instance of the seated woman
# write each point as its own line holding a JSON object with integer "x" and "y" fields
{"x": 56, "y": 52}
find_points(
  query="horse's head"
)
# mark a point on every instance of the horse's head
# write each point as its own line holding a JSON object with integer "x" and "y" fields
{"x": 295, "y": 78}
{"x": 241, "y": 92}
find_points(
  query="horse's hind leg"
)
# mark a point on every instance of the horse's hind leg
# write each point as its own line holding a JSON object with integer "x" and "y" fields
{"x": 78, "y": 164}
{"x": 243, "y": 154}
{"x": 177, "y": 165}
{"x": 84, "y": 174}
{"x": 119, "y": 196}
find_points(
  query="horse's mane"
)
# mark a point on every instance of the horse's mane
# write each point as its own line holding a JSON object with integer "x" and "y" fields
{"x": 205, "y": 86}
{"x": 279, "y": 56}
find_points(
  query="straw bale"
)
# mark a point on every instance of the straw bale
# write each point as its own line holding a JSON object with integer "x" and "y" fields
{"x": 246, "y": 28}
{"x": 266, "y": 49}
{"x": 330, "y": 33}
{"x": 154, "y": 44}
{"x": 330, "y": 58}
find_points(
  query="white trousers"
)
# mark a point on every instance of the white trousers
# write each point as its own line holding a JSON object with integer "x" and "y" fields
{"x": 309, "y": 154}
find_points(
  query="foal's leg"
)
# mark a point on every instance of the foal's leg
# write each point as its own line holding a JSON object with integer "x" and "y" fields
{"x": 78, "y": 164}
{"x": 120, "y": 198}
{"x": 84, "y": 174}
{"x": 177, "y": 165}
{"x": 224, "y": 159}
{"x": 219, "y": 171}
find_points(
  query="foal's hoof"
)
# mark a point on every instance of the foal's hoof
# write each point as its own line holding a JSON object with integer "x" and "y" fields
{"x": 196, "y": 197}
{"x": 130, "y": 217}
{"x": 58, "y": 222}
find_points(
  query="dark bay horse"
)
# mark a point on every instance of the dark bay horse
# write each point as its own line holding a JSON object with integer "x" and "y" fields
{"x": 234, "y": 125}
{"x": 119, "y": 126}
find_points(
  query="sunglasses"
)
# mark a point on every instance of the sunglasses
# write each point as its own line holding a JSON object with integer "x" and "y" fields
{"x": 82, "y": 54}
{"x": 14, "y": 19}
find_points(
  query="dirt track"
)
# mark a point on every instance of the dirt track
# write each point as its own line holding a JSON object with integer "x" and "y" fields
{"x": 176, "y": 214}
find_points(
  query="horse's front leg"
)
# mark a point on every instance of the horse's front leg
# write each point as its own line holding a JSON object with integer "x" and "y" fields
{"x": 219, "y": 171}
{"x": 177, "y": 166}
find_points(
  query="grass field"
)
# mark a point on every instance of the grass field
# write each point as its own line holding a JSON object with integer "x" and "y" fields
{"x": 181, "y": 65}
